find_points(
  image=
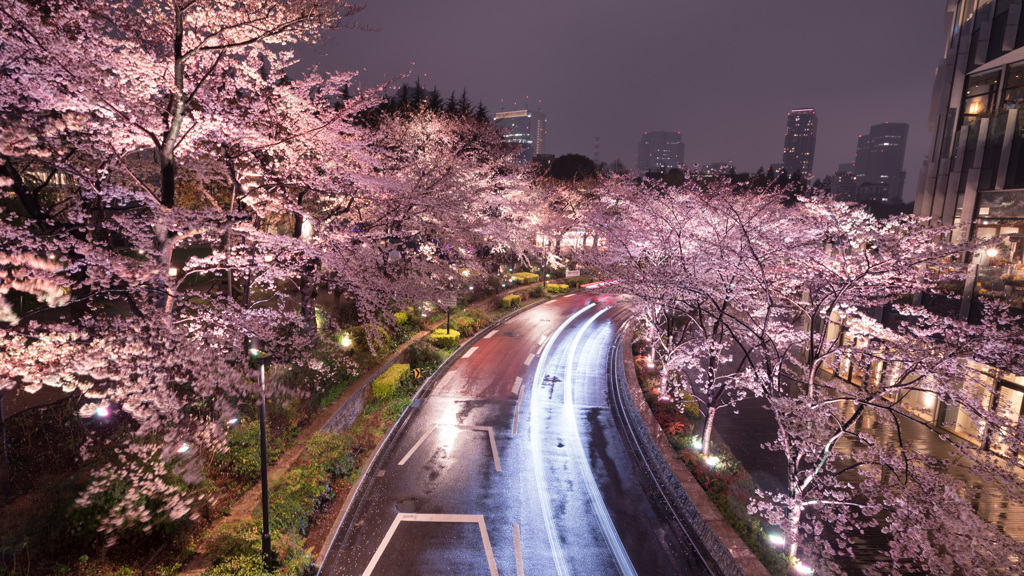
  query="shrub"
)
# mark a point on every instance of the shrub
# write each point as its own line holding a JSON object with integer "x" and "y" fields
{"x": 558, "y": 288}
{"x": 526, "y": 277}
{"x": 577, "y": 281}
{"x": 423, "y": 354}
{"x": 401, "y": 318}
{"x": 470, "y": 321}
{"x": 536, "y": 291}
{"x": 511, "y": 301}
{"x": 445, "y": 338}
{"x": 384, "y": 386}
{"x": 690, "y": 407}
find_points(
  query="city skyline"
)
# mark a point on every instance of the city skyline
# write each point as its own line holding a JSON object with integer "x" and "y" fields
{"x": 872, "y": 62}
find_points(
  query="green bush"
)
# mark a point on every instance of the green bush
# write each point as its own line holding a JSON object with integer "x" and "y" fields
{"x": 401, "y": 318}
{"x": 577, "y": 281}
{"x": 422, "y": 354}
{"x": 445, "y": 338}
{"x": 242, "y": 458}
{"x": 536, "y": 291}
{"x": 511, "y": 301}
{"x": 558, "y": 288}
{"x": 470, "y": 321}
{"x": 384, "y": 386}
{"x": 526, "y": 277}
{"x": 690, "y": 407}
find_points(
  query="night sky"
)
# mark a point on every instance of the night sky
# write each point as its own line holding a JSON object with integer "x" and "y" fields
{"x": 723, "y": 72}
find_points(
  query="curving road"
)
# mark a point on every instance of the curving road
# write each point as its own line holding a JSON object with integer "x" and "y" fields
{"x": 515, "y": 463}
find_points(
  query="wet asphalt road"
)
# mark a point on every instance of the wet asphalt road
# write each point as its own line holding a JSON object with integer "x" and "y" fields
{"x": 515, "y": 464}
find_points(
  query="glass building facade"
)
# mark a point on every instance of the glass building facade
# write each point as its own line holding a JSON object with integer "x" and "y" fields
{"x": 524, "y": 127}
{"x": 974, "y": 176}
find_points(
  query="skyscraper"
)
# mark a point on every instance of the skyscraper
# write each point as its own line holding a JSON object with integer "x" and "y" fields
{"x": 524, "y": 127}
{"x": 844, "y": 183}
{"x": 659, "y": 151}
{"x": 879, "y": 163}
{"x": 798, "y": 150}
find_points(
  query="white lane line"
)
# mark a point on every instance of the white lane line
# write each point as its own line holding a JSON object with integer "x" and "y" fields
{"x": 600, "y": 509}
{"x": 490, "y": 437}
{"x": 490, "y": 334}
{"x": 452, "y": 518}
{"x": 529, "y": 359}
{"x": 519, "y": 382}
{"x": 517, "y": 540}
{"x": 557, "y": 555}
{"x": 542, "y": 339}
{"x": 418, "y": 443}
{"x": 470, "y": 352}
{"x": 515, "y": 420}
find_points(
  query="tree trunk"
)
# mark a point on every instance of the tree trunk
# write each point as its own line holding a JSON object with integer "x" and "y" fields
{"x": 709, "y": 422}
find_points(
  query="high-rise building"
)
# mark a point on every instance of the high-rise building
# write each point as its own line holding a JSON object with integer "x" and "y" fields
{"x": 798, "y": 150}
{"x": 659, "y": 151}
{"x": 974, "y": 175}
{"x": 879, "y": 163}
{"x": 844, "y": 183}
{"x": 527, "y": 128}
{"x": 974, "y": 179}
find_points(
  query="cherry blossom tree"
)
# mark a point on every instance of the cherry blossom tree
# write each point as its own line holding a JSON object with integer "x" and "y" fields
{"x": 823, "y": 285}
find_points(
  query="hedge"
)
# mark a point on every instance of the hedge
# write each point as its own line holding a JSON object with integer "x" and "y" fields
{"x": 510, "y": 301}
{"x": 401, "y": 318}
{"x": 526, "y": 277}
{"x": 384, "y": 386}
{"x": 558, "y": 288}
{"x": 445, "y": 339}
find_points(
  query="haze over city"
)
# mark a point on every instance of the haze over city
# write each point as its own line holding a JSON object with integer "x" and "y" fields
{"x": 724, "y": 74}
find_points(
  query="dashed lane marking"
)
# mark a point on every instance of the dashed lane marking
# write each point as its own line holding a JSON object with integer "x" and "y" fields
{"x": 517, "y": 540}
{"x": 518, "y": 390}
{"x": 490, "y": 334}
{"x": 453, "y": 518}
{"x": 470, "y": 352}
{"x": 519, "y": 382}
{"x": 542, "y": 339}
{"x": 529, "y": 359}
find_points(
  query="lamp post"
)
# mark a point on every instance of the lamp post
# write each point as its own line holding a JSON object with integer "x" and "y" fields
{"x": 256, "y": 351}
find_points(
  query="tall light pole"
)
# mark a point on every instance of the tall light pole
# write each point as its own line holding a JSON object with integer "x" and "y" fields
{"x": 256, "y": 351}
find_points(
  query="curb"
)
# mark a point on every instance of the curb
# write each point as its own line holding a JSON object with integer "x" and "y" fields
{"x": 723, "y": 551}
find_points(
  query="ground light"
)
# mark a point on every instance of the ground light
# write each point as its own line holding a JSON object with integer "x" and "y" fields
{"x": 184, "y": 448}
{"x": 802, "y": 568}
{"x": 713, "y": 461}
{"x": 697, "y": 444}
{"x": 776, "y": 539}
{"x": 103, "y": 412}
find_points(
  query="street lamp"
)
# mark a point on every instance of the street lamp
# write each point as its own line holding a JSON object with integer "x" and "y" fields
{"x": 256, "y": 350}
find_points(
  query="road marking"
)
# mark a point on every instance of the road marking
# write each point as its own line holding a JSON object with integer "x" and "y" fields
{"x": 490, "y": 334}
{"x": 519, "y": 382}
{"x": 450, "y": 518}
{"x": 529, "y": 359}
{"x": 490, "y": 436}
{"x": 600, "y": 509}
{"x": 380, "y": 474}
{"x": 470, "y": 352}
{"x": 542, "y": 339}
{"x": 557, "y": 555}
{"x": 515, "y": 420}
{"x": 517, "y": 540}
{"x": 417, "y": 445}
